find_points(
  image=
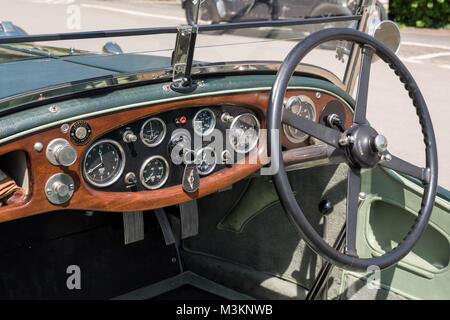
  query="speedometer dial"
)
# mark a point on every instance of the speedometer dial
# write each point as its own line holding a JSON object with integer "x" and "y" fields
{"x": 304, "y": 107}
{"x": 154, "y": 172}
{"x": 104, "y": 163}
{"x": 244, "y": 133}
{"x": 204, "y": 122}
{"x": 153, "y": 132}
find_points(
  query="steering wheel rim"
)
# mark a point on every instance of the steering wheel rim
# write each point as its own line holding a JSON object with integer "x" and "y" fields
{"x": 276, "y": 116}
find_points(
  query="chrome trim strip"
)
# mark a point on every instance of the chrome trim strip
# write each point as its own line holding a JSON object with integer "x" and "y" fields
{"x": 64, "y": 89}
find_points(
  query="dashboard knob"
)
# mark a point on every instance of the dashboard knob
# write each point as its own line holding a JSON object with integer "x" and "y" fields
{"x": 81, "y": 133}
{"x": 59, "y": 188}
{"x": 129, "y": 136}
{"x": 60, "y": 153}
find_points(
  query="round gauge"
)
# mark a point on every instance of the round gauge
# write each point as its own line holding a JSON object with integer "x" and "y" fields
{"x": 207, "y": 160}
{"x": 153, "y": 132}
{"x": 204, "y": 122}
{"x": 244, "y": 133}
{"x": 304, "y": 107}
{"x": 104, "y": 163}
{"x": 154, "y": 172}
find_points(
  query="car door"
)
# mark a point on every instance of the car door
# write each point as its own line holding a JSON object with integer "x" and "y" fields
{"x": 390, "y": 209}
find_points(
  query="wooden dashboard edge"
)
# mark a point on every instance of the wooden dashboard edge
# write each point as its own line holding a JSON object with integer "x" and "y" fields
{"x": 86, "y": 198}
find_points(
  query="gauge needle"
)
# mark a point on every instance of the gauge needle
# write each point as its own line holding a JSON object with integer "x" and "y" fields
{"x": 95, "y": 168}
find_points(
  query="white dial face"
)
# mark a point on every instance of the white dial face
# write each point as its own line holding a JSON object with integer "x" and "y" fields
{"x": 153, "y": 132}
{"x": 304, "y": 107}
{"x": 207, "y": 160}
{"x": 244, "y": 133}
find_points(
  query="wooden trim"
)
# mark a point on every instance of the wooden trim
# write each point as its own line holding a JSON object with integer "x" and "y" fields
{"x": 86, "y": 198}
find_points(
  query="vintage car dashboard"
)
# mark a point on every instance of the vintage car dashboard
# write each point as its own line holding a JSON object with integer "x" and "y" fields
{"x": 151, "y": 153}
{"x": 125, "y": 160}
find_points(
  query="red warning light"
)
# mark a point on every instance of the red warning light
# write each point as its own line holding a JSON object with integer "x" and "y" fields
{"x": 182, "y": 120}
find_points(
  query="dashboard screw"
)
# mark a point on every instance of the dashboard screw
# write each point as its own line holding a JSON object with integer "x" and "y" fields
{"x": 318, "y": 95}
{"x": 64, "y": 128}
{"x": 166, "y": 88}
{"x": 53, "y": 108}
{"x": 362, "y": 196}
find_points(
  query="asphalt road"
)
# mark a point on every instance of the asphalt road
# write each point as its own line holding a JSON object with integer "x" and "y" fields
{"x": 426, "y": 54}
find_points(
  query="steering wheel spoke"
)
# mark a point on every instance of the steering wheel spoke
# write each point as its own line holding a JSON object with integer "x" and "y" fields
{"x": 361, "y": 146}
{"x": 325, "y": 134}
{"x": 406, "y": 167}
{"x": 363, "y": 86}
{"x": 353, "y": 189}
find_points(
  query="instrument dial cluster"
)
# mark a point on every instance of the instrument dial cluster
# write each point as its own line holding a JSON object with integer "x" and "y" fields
{"x": 155, "y": 150}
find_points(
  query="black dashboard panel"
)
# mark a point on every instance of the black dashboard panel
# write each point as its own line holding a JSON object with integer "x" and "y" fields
{"x": 176, "y": 121}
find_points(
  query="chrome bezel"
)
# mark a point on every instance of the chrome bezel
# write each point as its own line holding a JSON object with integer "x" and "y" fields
{"x": 163, "y": 181}
{"x": 160, "y": 139}
{"x": 255, "y": 142}
{"x": 210, "y": 130}
{"x": 288, "y": 105}
{"x": 199, "y": 153}
{"x": 117, "y": 175}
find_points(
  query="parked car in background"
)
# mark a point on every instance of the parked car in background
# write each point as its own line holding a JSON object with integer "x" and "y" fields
{"x": 217, "y": 11}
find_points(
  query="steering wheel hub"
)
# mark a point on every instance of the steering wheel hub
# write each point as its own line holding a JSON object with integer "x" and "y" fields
{"x": 364, "y": 148}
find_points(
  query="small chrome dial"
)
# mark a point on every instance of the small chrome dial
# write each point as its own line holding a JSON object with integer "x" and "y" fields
{"x": 154, "y": 172}
{"x": 153, "y": 132}
{"x": 204, "y": 122}
{"x": 304, "y": 107}
{"x": 244, "y": 133}
{"x": 206, "y": 161}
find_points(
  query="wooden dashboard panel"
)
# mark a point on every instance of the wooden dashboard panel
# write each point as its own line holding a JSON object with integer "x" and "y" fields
{"x": 86, "y": 198}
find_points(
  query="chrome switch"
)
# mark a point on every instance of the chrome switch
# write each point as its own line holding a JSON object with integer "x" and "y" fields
{"x": 60, "y": 153}
{"x": 59, "y": 188}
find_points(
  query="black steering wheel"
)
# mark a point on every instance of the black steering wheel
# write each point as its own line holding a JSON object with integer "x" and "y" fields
{"x": 362, "y": 145}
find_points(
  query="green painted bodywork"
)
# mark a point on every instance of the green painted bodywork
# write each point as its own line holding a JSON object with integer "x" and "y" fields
{"x": 21, "y": 76}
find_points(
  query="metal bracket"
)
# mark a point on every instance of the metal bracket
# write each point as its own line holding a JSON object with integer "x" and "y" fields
{"x": 182, "y": 59}
{"x": 353, "y": 65}
{"x": 183, "y": 55}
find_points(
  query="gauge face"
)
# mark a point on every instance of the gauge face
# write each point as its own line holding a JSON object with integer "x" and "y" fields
{"x": 244, "y": 133}
{"x": 153, "y": 132}
{"x": 154, "y": 172}
{"x": 204, "y": 122}
{"x": 304, "y": 107}
{"x": 104, "y": 163}
{"x": 207, "y": 160}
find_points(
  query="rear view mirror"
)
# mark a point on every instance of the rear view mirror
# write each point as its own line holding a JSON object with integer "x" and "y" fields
{"x": 386, "y": 32}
